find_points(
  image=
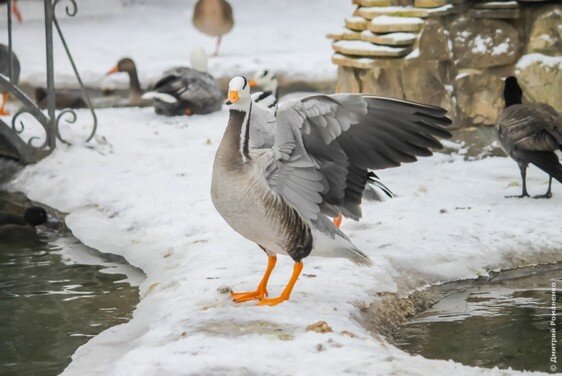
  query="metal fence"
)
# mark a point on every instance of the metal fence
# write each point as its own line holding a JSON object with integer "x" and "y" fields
{"x": 36, "y": 148}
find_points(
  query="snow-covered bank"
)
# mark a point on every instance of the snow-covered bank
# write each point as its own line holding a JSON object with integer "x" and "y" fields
{"x": 159, "y": 35}
{"x": 145, "y": 195}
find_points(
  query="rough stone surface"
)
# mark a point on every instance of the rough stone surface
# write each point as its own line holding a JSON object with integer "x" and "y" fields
{"x": 391, "y": 39}
{"x": 389, "y": 24}
{"x": 429, "y": 3}
{"x": 435, "y": 42}
{"x": 354, "y": 62}
{"x": 361, "y": 48}
{"x": 479, "y": 97}
{"x": 541, "y": 80}
{"x": 427, "y": 83}
{"x": 457, "y": 61}
{"x": 347, "y": 80}
{"x": 484, "y": 43}
{"x": 546, "y": 35}
{"x": 382, "y": 81}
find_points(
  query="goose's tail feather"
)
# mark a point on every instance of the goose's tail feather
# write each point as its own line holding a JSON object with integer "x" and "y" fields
{"x": 546, "y": 161}
{"x": 329, "y": 241}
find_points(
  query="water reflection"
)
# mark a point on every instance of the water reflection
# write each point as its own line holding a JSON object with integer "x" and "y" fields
{"x": 505, "y": 323}
{"x": 54, "y": 296}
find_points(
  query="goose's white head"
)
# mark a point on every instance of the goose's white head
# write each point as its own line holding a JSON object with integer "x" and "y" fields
{"x": 265, "y": 79}
{"x": 239, "y": 94}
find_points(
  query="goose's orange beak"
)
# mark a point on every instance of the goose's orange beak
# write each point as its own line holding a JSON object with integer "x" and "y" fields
{"x": 232, "y": 97}
{"x": 115, "y": 69}
{"x": 252, "y": 83}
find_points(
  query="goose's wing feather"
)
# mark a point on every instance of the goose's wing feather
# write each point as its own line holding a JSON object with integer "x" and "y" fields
{"x": 262, "y": 129}
{"x": 332, "y": 140}
{"x": 531, "y": 127}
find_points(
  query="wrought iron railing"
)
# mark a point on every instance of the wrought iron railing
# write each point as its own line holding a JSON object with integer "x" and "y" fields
{"x": 33, "y": 149}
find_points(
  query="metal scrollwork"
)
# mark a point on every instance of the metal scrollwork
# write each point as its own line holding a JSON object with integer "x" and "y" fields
{"x": 71, "y": 12}
{"x": 27, "y": 152}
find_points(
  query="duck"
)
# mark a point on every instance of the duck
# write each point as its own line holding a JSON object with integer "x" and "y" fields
{"x": 280, "y": 198}
{"x": 187, "y": 91}
{"x": 64, "y": 98}
{"x": 214, "y": 18}
{"x": 530, "y": 134}
{"x": 17, "y": 228}
{"x": 5, "y": 58}
{"x": 127, "y": 65}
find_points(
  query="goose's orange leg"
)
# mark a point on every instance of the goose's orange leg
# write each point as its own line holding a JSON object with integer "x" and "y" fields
{"x": 3, "y": 105}
{"x": 286, "y": 294}
{"x": 338, "y": 220}
{"x": 16, "y": 10}
{"x": 261, "y": 291}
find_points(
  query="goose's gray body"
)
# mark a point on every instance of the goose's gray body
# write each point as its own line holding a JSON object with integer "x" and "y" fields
{"x": 280, "y": 197}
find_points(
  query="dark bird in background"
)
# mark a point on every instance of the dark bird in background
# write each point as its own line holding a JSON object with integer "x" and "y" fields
{"x": 127, "y": 65}
{"x": 64, "y": 98}
{"x": 5, "y": 70}
{"x": 15, "y": 9}
{"x": 530, "y": 133}
{"x": 15, "y": 227}
{"x": 214, "y": 18}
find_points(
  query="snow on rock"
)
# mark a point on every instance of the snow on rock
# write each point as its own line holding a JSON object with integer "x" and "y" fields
{"x": 548, "y": 61}
{"x": 160, "y": 35}
{"x": 143, "y": 193}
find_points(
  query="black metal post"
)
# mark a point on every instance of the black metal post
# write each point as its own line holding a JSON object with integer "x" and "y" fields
{"x": 49, "y": 15}
{"x": 10, "y": 69}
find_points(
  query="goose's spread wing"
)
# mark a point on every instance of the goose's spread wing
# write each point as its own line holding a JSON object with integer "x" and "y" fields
{"x": 262, "y": 129}
{"x": 532, "y": 127}
{"x": 325, "y": 146}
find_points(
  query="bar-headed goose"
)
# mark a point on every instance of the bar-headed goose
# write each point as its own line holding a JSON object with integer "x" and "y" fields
{"x": 187, "y": 91}
{"x": 280, "y": 197}
{"x": 530, "y": 133}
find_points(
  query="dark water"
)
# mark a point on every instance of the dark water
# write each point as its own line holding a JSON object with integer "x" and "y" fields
{"x": 503, "y": 323}
{"x": 55, "y": 296}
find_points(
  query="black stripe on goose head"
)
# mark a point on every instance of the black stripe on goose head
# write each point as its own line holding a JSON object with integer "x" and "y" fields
{"x": 512, "y": 93}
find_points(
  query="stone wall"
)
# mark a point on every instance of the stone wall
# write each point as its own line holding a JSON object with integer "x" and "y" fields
{"x": 452, "y": 53}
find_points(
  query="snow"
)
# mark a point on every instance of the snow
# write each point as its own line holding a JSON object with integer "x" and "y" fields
{"x": 142, "y": 191}
{"x": 554, "y": 62}
{"x": 390, "y": 20}
{"x": 160, "y": 35}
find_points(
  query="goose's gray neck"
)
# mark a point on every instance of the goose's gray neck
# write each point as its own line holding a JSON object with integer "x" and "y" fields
{"x": 134, "y": 83}
{"x": 234, "y": 147}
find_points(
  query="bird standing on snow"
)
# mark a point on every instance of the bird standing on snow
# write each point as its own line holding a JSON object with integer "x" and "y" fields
{"x": 214, "y": 18}
{"x": 5, "y": 70}
{"x": 530, "y": 133}
{"x": 280, "y": 197}
{"x": 187, "y": 91}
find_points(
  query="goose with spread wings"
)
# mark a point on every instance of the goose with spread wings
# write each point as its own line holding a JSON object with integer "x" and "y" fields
{"x": 280, "y": 197}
